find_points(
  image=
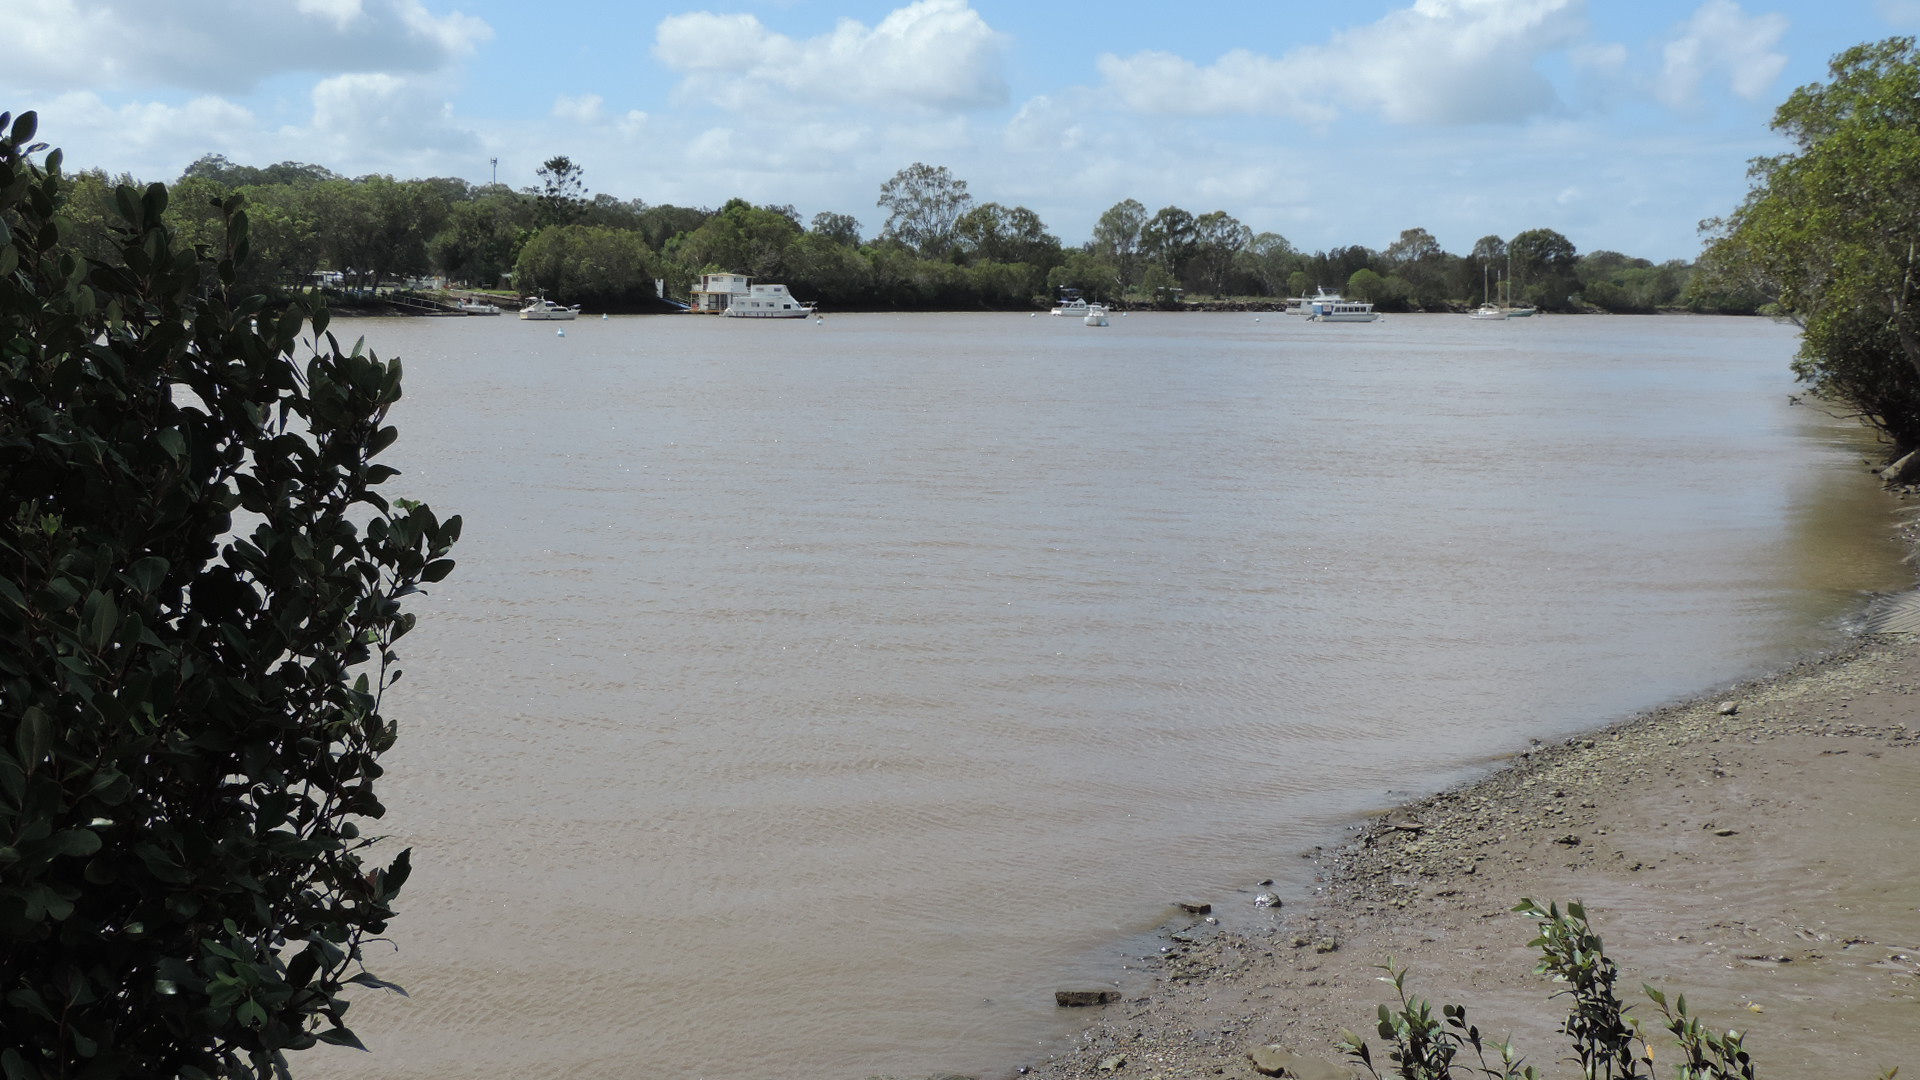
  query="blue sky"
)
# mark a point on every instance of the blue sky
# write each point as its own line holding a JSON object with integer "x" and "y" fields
{"x": 1621, "y": 123}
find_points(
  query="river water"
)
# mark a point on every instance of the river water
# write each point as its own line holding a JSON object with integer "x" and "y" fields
{"x": 812, "y": 699}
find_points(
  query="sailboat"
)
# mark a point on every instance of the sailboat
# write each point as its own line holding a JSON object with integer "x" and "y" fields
{"x": 1487, "y": 309}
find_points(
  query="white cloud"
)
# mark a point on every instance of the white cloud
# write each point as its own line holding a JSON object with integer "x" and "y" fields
{"x": 365, "y": 119}
{"x": 341, "y": 12}
{"x": 1899, "y": 12}
{"x": 937, "y": 54}
{"x": 1721, "y": 39}
{"x": 226, "y": 46}
{"x": 1438, "y": 61}
{"x": 584, "y": 109}
{"x": 136, "y": 137}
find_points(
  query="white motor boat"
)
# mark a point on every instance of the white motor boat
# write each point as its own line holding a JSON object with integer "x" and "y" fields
{"x": 1332, "y": 307}
{"x": 1071, "y": 303}
{"x": 545, "y": 310}
{"x": 1096, "y": 315}
{"x": 1488, "y": 311}
{"x": 478, "y": 307}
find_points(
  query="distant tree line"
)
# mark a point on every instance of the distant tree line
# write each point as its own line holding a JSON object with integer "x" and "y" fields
{"x": 937, "y": 247}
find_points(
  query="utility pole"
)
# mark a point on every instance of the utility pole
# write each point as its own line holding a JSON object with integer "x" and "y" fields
{"x": 495, "y": 162}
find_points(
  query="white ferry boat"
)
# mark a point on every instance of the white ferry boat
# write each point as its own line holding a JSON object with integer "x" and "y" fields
{"x": 545, "y": 310}
{"x": 1332, "y": 307}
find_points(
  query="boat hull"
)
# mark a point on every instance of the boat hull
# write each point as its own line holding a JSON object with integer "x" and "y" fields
{"x": 798, "y": 313}
{"x": 549, "y": 316}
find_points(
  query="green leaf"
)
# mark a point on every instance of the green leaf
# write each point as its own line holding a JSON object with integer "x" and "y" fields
{"x": 103, "y": 616}
{"x": 125, "y": 199}
{"x": 34, "y": 739}
{"x": 75, "y": 842}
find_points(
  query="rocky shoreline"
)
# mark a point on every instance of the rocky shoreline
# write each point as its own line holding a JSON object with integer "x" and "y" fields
{"x": 1754, "y": 850}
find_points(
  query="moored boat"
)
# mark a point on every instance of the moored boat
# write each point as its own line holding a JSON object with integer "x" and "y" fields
{"x": 1096, "y": 315}
{"x": 767, "y": 302}
{"x": 1487, "y": 311}
{"x": 1332, "y": 307}
{"x": 542, "y": 309}
{"x": 735, "y": 296}
{"x": 1071, "y": 303}
{"x": 477, "y": 307}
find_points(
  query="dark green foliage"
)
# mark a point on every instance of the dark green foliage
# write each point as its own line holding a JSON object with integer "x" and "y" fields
{"x": 1545, "y": 267}
{"x": 1603, "y": 1038}
{"x": 216, "y": 167}
{"x": 199, "y": 596}
{"x": 607, "y": 269}
{"x": 1831, "y": 234}
{"x": 1422, "y": 1047}
{"x": 562, "y": 192}
{"x": 1607, "y": 1042}
{"x": 922, "y": 203}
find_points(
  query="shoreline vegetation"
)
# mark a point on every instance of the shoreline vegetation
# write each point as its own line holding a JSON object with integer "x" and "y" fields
{"x": 1751, "y": 848}
{"x": 937, "y": 249}
{"x": 376, "y": 306}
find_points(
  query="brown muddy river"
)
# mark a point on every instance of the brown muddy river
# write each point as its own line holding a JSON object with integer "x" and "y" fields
{"x": 812, "y": 699}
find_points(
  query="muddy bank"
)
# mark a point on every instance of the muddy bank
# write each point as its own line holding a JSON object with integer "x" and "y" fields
{"x": 1758, "y": 851}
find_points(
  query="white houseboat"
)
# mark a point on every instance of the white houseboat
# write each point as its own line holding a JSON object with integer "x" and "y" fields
{"x": 735, "y": 296}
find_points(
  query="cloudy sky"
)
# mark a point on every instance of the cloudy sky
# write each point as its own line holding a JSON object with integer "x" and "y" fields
{"x": 1620, "y": 123}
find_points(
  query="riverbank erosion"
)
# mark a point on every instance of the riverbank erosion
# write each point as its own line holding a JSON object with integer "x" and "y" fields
{"x": 1755, "y": 850}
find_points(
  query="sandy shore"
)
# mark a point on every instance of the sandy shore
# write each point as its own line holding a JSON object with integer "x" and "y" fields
{"x": 1763, "y": 860}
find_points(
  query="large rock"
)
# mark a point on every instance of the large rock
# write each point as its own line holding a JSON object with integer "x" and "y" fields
{"x": 1078, "y": 996}
{"x": 1276, "y": 1060}
{"x": 1904, "y": 471}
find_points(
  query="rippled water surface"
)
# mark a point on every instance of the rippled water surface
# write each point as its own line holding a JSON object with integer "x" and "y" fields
{"x": 812, "y": 699}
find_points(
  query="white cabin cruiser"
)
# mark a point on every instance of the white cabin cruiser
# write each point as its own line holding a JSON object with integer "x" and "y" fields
{"x": 1071, "y": 303}
{"x": 1096, "y": 315}
{"x": 545, "y": 310}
